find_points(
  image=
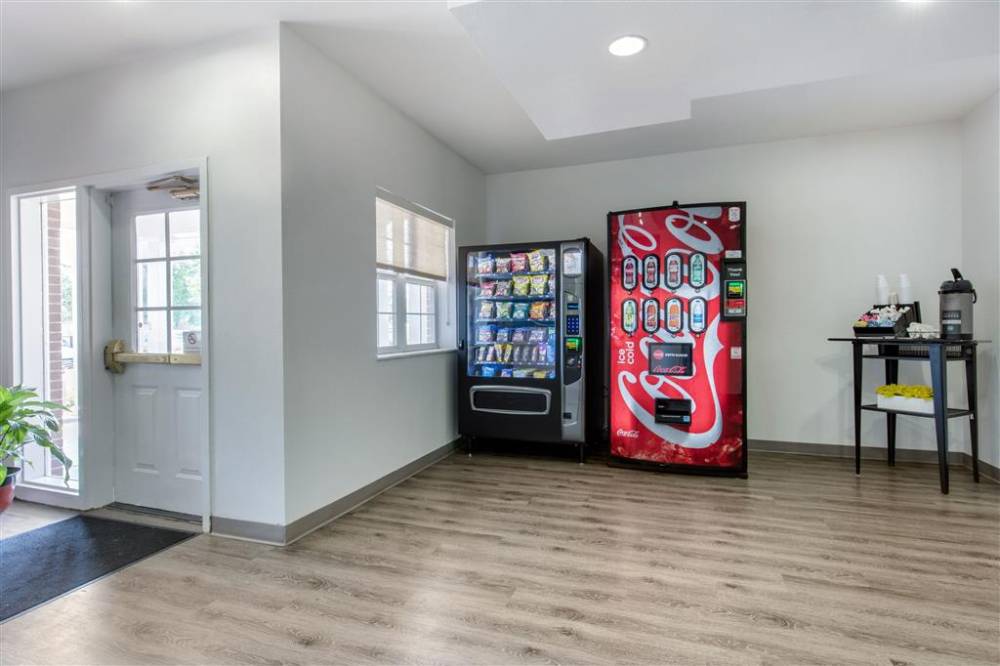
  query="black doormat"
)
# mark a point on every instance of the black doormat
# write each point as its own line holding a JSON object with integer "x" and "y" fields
{"x": 42, "y": 564}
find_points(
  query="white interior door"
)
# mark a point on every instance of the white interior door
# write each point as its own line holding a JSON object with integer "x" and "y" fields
{"x": 158, "y": 296}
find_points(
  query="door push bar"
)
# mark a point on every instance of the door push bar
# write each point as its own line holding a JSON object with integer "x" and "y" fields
{"x": 116, "y": 356}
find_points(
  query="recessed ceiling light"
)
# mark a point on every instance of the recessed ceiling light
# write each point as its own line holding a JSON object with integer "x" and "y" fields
{"x": 627, "y": 46}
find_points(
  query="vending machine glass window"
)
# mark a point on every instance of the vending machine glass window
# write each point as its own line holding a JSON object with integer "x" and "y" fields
{"x": 512, "y": 314}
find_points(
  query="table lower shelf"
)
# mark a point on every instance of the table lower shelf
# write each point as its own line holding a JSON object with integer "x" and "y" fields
{"x": 952, "y": 412}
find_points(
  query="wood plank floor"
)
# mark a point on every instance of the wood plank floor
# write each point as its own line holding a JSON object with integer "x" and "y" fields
{"x": 504, "y": 560}
{"x": 25, "y": 516}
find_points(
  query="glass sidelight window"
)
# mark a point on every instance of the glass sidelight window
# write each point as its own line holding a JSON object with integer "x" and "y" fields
{"x": 46, "y": 320}
{"x": 167, "y": 281}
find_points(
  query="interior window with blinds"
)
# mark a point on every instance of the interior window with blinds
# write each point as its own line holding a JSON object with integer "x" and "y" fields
{"x": 413, "y": 259}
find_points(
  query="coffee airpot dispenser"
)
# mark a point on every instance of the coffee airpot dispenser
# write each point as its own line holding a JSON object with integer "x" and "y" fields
{"x": 957, "y": 296}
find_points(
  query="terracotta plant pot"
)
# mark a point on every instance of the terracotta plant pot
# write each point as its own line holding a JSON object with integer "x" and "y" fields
{"x": 7, "y": 489}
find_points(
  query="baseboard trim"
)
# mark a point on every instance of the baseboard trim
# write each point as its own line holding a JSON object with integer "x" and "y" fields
{"x": 959, "y": 458}
{"x": 283, "y": 535}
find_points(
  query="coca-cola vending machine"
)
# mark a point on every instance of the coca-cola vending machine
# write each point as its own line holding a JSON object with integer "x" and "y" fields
{"x": 677, "y": 340}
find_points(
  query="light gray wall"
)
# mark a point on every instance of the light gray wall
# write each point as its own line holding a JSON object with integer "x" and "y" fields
{"x": 350, "y": 419}
{"x": 980, "y": 256}
{"x": 825, "y": 215}
{"x": 220, "y": 102}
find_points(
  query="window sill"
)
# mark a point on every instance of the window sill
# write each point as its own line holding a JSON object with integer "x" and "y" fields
{"x": 410, "y": 354}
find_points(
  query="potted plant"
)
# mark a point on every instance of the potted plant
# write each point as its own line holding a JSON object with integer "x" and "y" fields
{"x": 903, "y": 398}
{"x": 25, "y": 419}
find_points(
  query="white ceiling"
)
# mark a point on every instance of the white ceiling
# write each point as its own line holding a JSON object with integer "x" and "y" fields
{"x": 494, "y": 79}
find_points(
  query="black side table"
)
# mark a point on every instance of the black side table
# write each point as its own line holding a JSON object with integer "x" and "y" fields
{"x": 937, "y": 352}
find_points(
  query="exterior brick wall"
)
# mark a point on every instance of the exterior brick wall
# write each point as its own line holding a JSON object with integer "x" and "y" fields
{"x": 54, "y": 296}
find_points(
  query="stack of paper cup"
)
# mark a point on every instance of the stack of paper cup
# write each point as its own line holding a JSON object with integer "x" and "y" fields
{"x": 881, "y": 290}
{"x": 905, "y": 289}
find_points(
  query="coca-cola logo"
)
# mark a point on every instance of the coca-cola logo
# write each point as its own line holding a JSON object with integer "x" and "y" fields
{"x": 630, "y": 434}
{"x": 658, "y": 354}
{"x": 674, "y": 370}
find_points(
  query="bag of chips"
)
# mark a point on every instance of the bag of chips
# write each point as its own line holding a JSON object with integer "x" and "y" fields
{"x": 504, "y": 309}
{"x": 518, "y": 262}
{"x": 488, "y": 371}
{"x": 486, "y": 288}
{"x": 485, "y": 264}
{"x": 539, "y": 310}
{"x": 519, "y": 335}
{"x": 537, "y": 335}
{"x": 536, "y": 261}
{"x": 507, "y": 372}
{"x": 503, "y": 335}
{"x": 522, "y": 285}
{"x": 501, "y": 288}
{"x": 539, "y": 285}
{"x": 502, "y": 264}
{"x": 521, "y": 310}
{"x": 486, "y": 333}
{"x": 486, "y": 310}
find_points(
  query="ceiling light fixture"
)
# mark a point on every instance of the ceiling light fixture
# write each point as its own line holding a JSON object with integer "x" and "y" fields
{"x": 628, "y": 45}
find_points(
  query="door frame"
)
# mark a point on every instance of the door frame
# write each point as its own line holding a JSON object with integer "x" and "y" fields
{"x": 96, "y": 488}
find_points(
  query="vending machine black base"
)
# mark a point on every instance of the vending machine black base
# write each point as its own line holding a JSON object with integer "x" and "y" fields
{"x": 531, "y": 348}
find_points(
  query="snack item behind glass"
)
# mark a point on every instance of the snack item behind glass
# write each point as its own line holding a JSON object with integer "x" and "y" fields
{"x": 507, "y": 372}
{"x": 502, "y": 264}
{"x": 522, "y": 372}
{"x": 537, "y": 335}
{"x": 486, "y": 333}
{"x": 536, "y": 261}
{"x": 522, "y": 284}
{"x": 539, "y": 285}
{"x": 502, "y": 288}
{"x": 491, "y": 354}
{"x": 519, "y": 334}
{"x": 486, "y": 288}
{"x": 504, "y": 309}
{"x": 539, "y": 310}
{"x": 480, "y": 354}
{"x": 486, "y": 310}
{"x": 541, "y": 354}
{"x": 521, "y": 310}
{"x": 488, "y": 371}
{"x": 484, "y": 266}
{"x": 540, "y": 374}
{"x": 518, "y": 262}
{"x": 503, "y": 334}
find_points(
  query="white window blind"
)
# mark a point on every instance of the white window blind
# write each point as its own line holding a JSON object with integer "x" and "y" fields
{"x": 410, "y": 243}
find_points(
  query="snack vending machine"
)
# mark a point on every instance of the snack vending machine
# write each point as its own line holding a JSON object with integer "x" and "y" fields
{"x": 531, "y": 360}
{"x": 677, "y": 340}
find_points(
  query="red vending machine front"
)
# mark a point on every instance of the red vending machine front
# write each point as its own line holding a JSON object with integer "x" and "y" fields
{"x": 678, "y": 307}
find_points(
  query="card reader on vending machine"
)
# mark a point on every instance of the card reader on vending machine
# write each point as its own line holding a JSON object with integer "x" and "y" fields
{"x": 734, "y": 287}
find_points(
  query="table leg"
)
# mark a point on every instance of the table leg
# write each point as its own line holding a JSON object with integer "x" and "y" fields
{"x": 891, "y": 377}
{"x": 858, "y": 348}
{"x": 939, "y": 384}
{"x": 970, "y": 385}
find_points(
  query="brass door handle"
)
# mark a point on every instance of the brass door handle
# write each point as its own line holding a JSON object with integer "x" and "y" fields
{"x": 116, "y": 356}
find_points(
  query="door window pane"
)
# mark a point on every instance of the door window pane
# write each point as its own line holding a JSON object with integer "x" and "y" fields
{"x": 151, "y": 332}
{"x": 151, "y": 284}
{"x": 185, "y": 233}
{"x": 150, "y": 240}
{"x": 185, "y": 282}
{"x": 183, "y": 322}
